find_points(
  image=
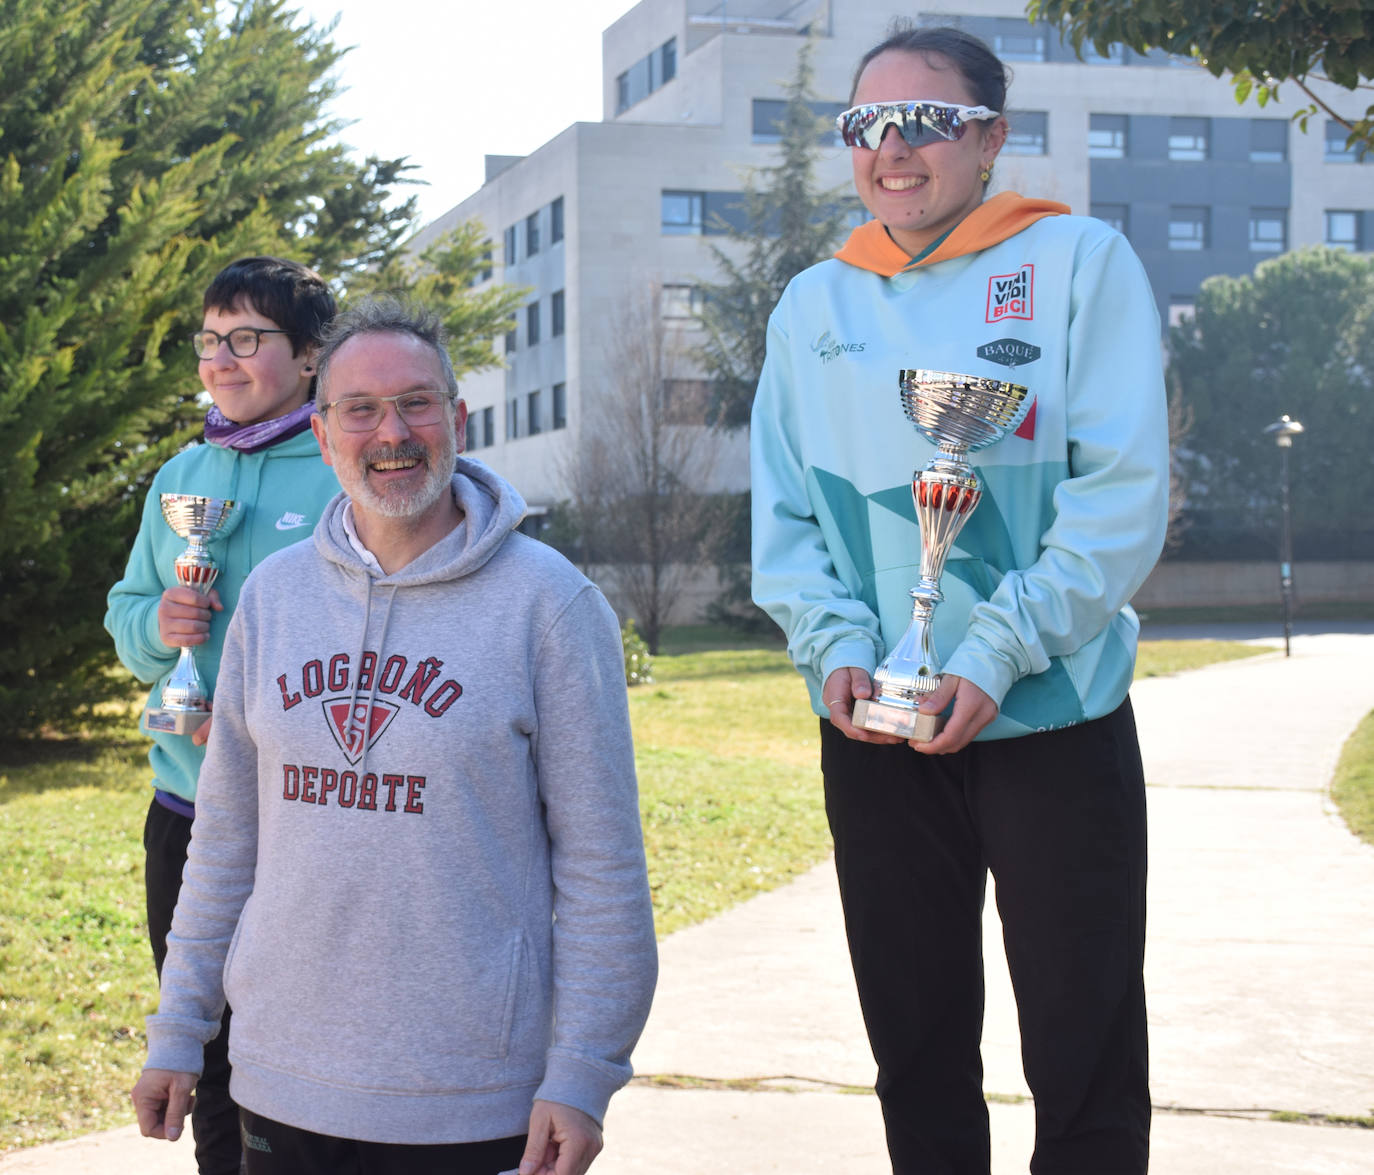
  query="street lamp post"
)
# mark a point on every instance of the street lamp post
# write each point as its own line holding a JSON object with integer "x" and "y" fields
{"x": 1283, "y": 430}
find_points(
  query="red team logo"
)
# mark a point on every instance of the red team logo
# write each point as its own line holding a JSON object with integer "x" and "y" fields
{"x": 357, "y": 725}
{"x": 1012, "y": 295}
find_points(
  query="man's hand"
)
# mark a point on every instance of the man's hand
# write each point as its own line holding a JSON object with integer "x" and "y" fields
{"x": 973, "y": 710}
{"x": 162, "y": 1099}
{"x": 183, "y": 616}
{"x": 841, "y": 689}
{"x": 562, "y": 1141}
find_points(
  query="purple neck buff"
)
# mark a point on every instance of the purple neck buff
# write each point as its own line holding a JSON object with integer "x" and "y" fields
{"x": 251, "y": 438}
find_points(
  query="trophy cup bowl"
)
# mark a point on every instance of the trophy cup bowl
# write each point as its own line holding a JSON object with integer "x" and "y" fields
{"x": 958, "y": 414}
{"x": 185, "y": 701}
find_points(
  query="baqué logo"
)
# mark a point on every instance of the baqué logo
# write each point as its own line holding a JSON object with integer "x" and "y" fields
{"x": 1012, "y": 295}
{"x": 1009, "y": 352}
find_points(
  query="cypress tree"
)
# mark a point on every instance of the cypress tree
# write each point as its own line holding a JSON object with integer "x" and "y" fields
{"x": 143, "y": 145}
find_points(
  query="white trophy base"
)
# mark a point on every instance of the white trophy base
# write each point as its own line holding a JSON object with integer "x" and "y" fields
{"x": 167, "y": 721}
{"x": 886, "y": 718}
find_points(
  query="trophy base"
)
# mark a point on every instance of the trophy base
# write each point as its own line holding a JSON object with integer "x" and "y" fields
{"x": 885, "y": 718}
{"x": 166, "y": 721}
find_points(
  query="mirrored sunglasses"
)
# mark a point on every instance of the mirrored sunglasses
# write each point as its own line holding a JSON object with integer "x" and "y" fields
{"x": 918, "y": 121}
{"x": 365, "y": 413}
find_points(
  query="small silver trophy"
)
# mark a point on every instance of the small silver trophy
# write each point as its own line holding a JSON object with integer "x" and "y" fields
{"x": 185, "y": 703}
{"x": 958, "y": 414}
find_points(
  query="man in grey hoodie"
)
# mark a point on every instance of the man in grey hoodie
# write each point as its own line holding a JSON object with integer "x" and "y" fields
{"x": 417, "y": 871}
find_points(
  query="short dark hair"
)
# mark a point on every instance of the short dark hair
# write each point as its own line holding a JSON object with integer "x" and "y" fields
{"x": 979, "y": 66}
{"x": 294, "y": 297}
{"x": 386, "y": 315}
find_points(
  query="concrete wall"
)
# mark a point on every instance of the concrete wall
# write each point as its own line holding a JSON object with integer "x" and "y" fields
{"x": 1187, "y": 585}
{"x": 1171, "y": 585}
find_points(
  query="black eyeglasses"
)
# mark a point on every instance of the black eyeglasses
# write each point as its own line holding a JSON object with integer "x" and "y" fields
{"x": 243, "y": 341}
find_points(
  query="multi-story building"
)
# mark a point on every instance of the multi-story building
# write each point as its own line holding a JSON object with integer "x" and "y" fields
{"x": 692, "y": 91}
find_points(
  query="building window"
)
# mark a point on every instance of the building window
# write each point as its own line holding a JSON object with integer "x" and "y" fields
{"x": 556, "y": 221}
{"x": 1014, "y": 39}
{"x": 512, "y": 419}
{"x": 1336, "y": 149}
{"x": 556, "y": 313}
{"x": 532, "y": 324}
{"x": 683, "y": 212}
{"x": 532, "y": 416}
{"x": 510, "y": 341}
{"x": 1028, "y": 133}
{"x": 770, "y": 115}
{"x": 1343, "y": 230}
{"x": 1107, "y": 136}
{"x": 560, "y": 405}
{"x": 1268, "y": 140}
{"x": 1188, "y": 139}
{"x": 646, "y": 75}
{"x": 531, "y": 234}
{"x": 1182, "y": 309}
{"x": 483, "y": 270}
{"x": 1115, "y": 55}
{"x": 1188, "y": 227}
{"x": 682, "y": 302}
{"x": 471, "y": 436}
{"x": 1268, "y": 230}
{"x": 488, "y": 427}
{"x": 1112, "y": 214}
{"x": 510, "y": 246}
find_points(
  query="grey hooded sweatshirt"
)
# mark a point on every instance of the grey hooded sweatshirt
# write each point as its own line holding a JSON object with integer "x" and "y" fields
{"x": 417, "y": 871}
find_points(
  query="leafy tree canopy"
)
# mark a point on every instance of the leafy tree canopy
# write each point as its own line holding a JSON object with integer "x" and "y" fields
{"x": 1295, "y": 338}
{"x": 1262, "y": 43}
{"x": 143, "y": 145}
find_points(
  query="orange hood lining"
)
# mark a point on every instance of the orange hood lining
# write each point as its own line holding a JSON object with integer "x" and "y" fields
{"x": 1004, "y": 215}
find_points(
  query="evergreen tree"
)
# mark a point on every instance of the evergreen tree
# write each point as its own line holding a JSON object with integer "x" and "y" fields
{"x": 790, "y": 224}
{"x": 143, "y": 145}
{"x": 444, "y": 276}
{"x": 1295, "y": 338}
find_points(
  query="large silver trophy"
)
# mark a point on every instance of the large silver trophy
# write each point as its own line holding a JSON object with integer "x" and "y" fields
{"x": 185, "y": 702}
{"x": 958, "y": 414}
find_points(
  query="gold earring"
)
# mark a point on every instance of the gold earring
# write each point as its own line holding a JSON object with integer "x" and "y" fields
{"x": 986, "y": 173}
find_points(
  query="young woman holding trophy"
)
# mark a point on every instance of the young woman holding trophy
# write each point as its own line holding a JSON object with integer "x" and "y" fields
{"x": 255, "y": 486}
{"x": 1001, "y": 325}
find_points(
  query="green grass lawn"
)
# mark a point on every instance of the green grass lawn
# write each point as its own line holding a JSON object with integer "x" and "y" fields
{"x": 730, "y": 792}
{"x": 1353, "y": 785}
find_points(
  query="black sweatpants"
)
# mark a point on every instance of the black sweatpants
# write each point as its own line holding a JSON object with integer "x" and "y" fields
{"x": 1059, "y": 819}
{"x": 214, "y": 1116}
{"x": 271, "y": 1148}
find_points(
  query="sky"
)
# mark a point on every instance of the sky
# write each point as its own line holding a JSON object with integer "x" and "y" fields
{"x": 425, "y": 78}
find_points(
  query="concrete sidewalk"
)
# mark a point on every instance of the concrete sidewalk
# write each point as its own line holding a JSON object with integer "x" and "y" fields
{"x": 1260, "y": 968}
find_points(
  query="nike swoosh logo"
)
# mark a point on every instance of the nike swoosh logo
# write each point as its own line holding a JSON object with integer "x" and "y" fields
{"x": 290, "y": 525}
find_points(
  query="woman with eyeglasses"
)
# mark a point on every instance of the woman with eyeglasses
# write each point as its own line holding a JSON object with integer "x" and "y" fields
{"x": 255, "y": 351}
{"x": 1036, "y": 774}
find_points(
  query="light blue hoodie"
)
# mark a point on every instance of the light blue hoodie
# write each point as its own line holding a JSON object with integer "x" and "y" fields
{"x": 1073, "y": 514}
{"x": 280, "y": 493}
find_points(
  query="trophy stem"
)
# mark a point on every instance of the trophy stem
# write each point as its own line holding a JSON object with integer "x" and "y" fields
{"x": 185, "y": 703}
{"x": 957, "y": 413}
